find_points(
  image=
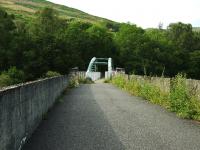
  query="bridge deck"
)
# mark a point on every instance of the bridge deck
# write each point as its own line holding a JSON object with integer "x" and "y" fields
{"x": 102, "y": 117}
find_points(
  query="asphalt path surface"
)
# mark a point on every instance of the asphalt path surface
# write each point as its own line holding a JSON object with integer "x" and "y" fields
{"x": 103, "y": 117}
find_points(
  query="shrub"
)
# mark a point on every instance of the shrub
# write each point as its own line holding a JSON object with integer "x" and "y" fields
{"x": 76, "y": 80}
{"x": 107, "y": 80}
{"x": 85, "y": 81}
{"x": 178, "y": 95}
{"x": 119, "y": 81}
{"x": 5, "y": 80}
{"x": 184, "y": 104}
{"x": 11, "y": 77}
{"x": 16, "y": 75}
{"x": 50, "y": 74}
{"x": 73, "y": 82}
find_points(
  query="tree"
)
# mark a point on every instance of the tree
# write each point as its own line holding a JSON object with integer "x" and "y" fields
{"x": 165, "y": 52}
{"x": 194, "y": 63}
{"x": 7, "y": 28}
{"x": 182, "y": 38}
{"x": 196, "y": 44}
{"x": 73, "y": 43}
{"x": 101, "y": 42}
{"x": 181, "y": 35}
{"x": 39, "y": 58}
{"x": 133, "y": 49}
{"x": 19, "y": 44}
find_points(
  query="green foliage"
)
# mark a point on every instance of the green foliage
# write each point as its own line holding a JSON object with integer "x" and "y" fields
{"x": 130, "y": 40}
{"x": 181, "y": 102}
{"x": 141, "y": 88}
{"x": 152, "y": 93}
{"x": 178, "y": 95}
{"x": 85, "y": 81}
{"x": 178, "y": 100}
{"x": 194, "y": 63}
{"x": 51, "y": 43}
{"x": 76, "y": 80}
{"x": 6, "y": 32}
{"x": 50, "y": 74}
{"x": 5, "y": 80}
{"x": 181, "y": 35}
{"x": 107, "y": 81}
{"x": 157, "y": 51}
{"x": 16, "y": 75}
{"x": 11, "y": 77}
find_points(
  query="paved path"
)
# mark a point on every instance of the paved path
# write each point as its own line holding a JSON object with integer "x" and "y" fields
{"x": 102, "y": 117}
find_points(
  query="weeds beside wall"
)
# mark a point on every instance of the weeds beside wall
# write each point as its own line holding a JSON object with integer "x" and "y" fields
{"x": 178, "y": 94}
{"x": 77, "y": 78}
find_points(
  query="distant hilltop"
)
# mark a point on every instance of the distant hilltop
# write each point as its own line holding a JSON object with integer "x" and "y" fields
{"x": 26, "y": 9}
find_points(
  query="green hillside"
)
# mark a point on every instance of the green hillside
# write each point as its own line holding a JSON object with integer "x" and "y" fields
{"x": 26, "y": 9}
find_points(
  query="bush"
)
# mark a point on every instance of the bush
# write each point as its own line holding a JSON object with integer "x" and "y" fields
{"x": 11, "y": 77}
{"x": 5, "y": 80}
{"x": 85, "y": 81}
{"x": 16, "y": 75}
{"x": 184, "y": 104}
{"x": 50, "y": 74}
{"x": 119, "y": 81}
{"x": 73, "y": 82}
{"x": 178, "y": 95}
{"x": 107, "y": 80}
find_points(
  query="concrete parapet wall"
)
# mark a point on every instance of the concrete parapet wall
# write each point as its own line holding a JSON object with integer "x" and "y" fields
{"x": 193, "y": 87}
{"x": 164, "y": 84}
{"x": 22, "y": 108}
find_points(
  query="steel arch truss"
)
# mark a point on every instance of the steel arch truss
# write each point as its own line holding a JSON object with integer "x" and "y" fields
{"x": 92, "y": 68}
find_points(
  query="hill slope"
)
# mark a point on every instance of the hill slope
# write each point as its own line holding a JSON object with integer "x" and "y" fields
{"x": 25, "y": 9}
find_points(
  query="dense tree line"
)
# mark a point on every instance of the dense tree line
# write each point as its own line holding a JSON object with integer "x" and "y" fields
{"x": 159, "y": 51}
{"x": 49, "y": 42}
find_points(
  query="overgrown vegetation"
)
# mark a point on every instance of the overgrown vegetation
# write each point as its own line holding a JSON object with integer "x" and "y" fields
{"x": 179, "y": 100}
{"x": 52, "y": 74}
{"x": 107, "y": 80}
{"x": 11, "y": 76}
{"x": 76, "y": 80}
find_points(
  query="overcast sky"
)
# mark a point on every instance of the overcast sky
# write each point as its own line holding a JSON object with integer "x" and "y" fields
{"x": 144, "y": 13}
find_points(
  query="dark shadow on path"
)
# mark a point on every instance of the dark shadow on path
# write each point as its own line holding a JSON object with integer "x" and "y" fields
{"x": 78, "y": 123}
